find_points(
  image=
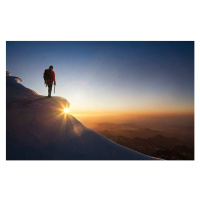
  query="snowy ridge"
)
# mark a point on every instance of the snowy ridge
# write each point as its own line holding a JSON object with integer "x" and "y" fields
{"x": 37, "y": 129}
{"x": 17, "y": 91}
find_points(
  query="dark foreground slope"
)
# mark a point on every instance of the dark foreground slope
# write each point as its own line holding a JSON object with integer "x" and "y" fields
{"x": 38, "y": 129}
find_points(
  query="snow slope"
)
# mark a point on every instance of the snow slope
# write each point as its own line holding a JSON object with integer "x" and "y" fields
{"x": 37, "y": 129}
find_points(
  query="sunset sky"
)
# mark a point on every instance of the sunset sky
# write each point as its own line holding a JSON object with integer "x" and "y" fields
{"x": 110, "y": 76}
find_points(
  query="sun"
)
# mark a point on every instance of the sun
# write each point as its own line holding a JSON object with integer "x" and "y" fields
{"x": 66, "y": 110}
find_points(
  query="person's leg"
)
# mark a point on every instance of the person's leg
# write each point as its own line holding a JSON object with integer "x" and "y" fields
{"x": 49, "y": 89}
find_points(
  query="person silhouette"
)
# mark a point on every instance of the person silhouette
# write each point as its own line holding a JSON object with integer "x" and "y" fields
{"x": 49, "y": 79}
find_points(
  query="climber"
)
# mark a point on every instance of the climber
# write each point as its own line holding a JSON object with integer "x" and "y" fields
{"x": 49, "y": 79}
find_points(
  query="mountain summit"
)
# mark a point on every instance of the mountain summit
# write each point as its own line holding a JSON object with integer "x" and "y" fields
{"x": 38, "y": 129}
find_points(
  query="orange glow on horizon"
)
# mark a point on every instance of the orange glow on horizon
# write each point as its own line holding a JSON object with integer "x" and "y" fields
{"x": 114, "y": 113}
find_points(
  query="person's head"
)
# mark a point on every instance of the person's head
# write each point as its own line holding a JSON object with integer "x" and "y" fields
{"x": 51, "y": 67}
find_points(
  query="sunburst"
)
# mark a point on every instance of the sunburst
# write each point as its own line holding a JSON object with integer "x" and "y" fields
{"x": 66, "y": 110}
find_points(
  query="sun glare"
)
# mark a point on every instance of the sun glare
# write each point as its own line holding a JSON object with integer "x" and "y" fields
{"x": 66, "y": 110}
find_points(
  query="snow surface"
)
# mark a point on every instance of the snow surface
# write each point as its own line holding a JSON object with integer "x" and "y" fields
{"x": 37, "y": 129}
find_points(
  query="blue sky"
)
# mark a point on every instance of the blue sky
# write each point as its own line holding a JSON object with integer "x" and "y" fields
{"x": 110, "y": 76}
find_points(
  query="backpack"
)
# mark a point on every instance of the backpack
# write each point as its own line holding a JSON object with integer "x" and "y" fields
{"x": 48, "y": 74}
